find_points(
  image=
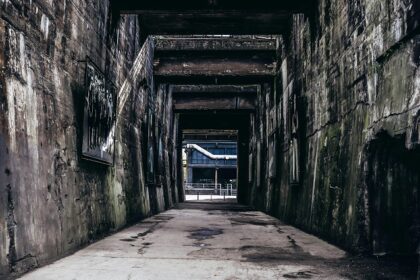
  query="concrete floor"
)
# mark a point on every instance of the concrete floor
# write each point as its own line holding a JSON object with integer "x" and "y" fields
{"x": 214, "y": 241}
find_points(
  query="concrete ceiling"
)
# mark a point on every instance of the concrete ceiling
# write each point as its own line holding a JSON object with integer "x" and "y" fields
{"x": 213, "y": 16}
{"x": 186, "y": 60}
{"x": 214, "y": 97}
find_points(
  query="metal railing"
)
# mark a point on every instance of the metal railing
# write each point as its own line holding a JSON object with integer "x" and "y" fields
{"x": 219, "y": 162}
{"x": 210, "y": 188}
{"x": 201, "y": 186}
{"x": 227, "y": 190}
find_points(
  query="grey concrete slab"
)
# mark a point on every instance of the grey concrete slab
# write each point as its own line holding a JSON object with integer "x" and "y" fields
{"x": 204, "y": 241}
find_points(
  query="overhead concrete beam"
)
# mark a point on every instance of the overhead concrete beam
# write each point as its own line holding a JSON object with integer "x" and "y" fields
{"x": 198, "y": 103}
{"x": 215, "y": 80}
{"x": 214, "y": 67}
{"x": 170, "y": 17}
{"x": 208, "y": 22}
{"x": 296, "y": 6}
{"x": 165, "y": 43}
{"x": 243, "y": 89}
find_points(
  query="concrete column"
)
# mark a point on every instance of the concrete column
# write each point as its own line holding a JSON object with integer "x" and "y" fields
{"x": 188, "y": 168}
{"x": 190, "y": 175}
{"x": 215, "y": 177}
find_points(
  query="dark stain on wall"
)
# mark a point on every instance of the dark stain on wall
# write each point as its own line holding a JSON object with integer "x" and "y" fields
{"x": 393, "y": 180}
{"x": 43, "y": 44}
{"x": 355, "y": 72}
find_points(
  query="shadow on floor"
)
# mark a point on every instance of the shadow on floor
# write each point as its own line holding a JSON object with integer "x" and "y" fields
{"x": 227, "y": 205}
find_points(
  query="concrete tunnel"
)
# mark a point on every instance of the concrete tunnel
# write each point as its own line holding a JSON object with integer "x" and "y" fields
{"x": 322, "y": 99}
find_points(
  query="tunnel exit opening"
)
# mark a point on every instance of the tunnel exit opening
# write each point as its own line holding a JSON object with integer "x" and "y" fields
{"x": 213, "y": 148}
{"x": 209, "y": 163}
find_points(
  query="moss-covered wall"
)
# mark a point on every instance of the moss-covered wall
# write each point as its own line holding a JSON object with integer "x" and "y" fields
{"x": 349, "y": 77}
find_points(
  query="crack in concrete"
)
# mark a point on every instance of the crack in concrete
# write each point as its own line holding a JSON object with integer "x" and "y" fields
{"x": 394, "y": 115}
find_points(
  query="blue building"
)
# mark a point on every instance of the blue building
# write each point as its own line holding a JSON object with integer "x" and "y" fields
{"x": 210, "y": 162}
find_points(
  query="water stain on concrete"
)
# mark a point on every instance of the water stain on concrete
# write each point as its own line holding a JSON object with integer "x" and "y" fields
{"x": 145, "y": 246}
{"x": 127, "y": 239}
{"x": 250, "y": 215}
{"x": 215, "y": 253}
{"x": 252, "y": 221}
{"x": 300, "y": 275}
{"x": 140, "y": 234}
{"x": 293, "y": 244}
{"x": 161, "y": 218}
{"x": 143, "y": 234}
{"x": 204, "y": 233}
{"x": 261, "y": 254}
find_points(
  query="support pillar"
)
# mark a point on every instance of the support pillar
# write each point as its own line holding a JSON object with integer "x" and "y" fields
{"x": 215, "y": 177}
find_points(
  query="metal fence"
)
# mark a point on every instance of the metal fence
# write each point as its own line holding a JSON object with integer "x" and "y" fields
{"x": 219, "y": 162}
{"x": 209, "y": 188}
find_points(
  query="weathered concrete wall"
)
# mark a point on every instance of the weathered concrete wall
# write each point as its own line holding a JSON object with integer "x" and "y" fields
{"x": 346, "y": 114}
{"x": 334, "y": 141}
{"x": 51, "y": 201}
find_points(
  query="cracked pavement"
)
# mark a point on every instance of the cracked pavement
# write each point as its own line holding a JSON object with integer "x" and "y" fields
{"x": 203, "y": 240}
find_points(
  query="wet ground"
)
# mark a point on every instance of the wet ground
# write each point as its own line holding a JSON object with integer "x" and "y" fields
{"x": 218, "y": 241}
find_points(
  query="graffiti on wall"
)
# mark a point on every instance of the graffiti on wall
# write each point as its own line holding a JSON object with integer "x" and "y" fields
{"x": 99, "y": 116}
